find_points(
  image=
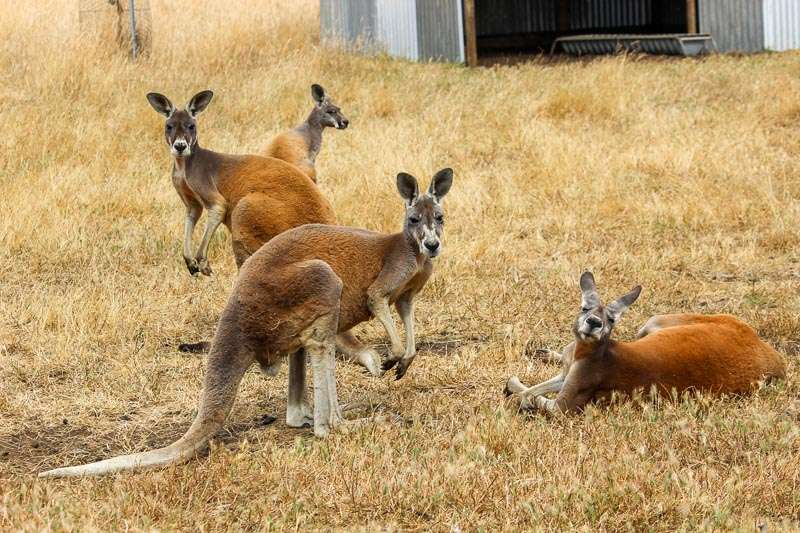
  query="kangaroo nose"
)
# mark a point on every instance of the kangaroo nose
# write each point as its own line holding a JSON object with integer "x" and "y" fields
{"x": 593, "y": 322}
{"x": 345, "y": 123}
{"x": 432, "y": 246}
{"x": 180, "y": 147}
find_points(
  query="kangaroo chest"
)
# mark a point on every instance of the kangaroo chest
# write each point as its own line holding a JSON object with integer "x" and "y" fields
{"x": 413, "y": 285}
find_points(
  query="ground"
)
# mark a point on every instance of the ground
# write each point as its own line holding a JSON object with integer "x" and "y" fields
{"x": 678, "y": 174}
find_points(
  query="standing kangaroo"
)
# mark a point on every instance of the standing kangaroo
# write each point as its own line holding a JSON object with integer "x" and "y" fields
{"x": 673, "y": 353}
{"x": 300, "y": 145}
{"x": 255, "y": 197}
{"x": 290, "y": 300}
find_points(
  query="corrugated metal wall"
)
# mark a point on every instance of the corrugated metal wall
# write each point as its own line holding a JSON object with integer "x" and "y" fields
{"x": 781, "y": 24}
{"x": 413, "y": 29}
{"x": 397, "y": 29}
{"x": 347, "y": 20}
{"x": 735, "y": 25}
{"x": 440, "y": 30}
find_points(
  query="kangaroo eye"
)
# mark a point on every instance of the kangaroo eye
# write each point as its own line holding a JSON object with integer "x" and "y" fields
{"x": 190, "y": 127}
{"x": 169, "y": 127}
{"x": 413, "y": 220}
{"x": 439, "y": 219}
{"x": 611, "y": 320}
{"x": 585, "y": 309}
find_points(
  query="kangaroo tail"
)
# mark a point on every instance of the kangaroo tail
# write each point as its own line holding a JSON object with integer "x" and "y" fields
{"x": 224, "y": 372}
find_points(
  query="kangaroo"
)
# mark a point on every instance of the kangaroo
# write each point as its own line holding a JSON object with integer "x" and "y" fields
{"x": 290, "y": 300}
{"x": 255, "y": 197}
{"x": 719, "y": 354}
{"x": 300, "y": 145}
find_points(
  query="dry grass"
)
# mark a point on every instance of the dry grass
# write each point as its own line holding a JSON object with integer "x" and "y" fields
{"x": 680, "y": 175}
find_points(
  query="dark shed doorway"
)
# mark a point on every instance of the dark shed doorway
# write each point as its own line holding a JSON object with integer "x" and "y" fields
{"x": 494, "y": 27}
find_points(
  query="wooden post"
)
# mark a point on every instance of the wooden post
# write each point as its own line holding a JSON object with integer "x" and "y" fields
{"x": 470, "y": 33}
{"x": 691, "y": 16}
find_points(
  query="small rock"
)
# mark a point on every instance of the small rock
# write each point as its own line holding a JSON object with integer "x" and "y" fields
{"x": 265, "y": 420}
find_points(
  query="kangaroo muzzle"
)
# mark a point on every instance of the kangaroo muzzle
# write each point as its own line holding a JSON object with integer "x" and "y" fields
{"x": 180, "y": 148}
{"x": 431, "y": 244}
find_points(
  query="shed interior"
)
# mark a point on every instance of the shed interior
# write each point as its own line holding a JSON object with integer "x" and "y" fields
{"x": 531, "y": 26}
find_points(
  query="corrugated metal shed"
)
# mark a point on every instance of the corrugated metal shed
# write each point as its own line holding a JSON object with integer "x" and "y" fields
{"x": 781, "y": 24}
{"x": 424, "y": 30}
{"x": 736, "y": 25}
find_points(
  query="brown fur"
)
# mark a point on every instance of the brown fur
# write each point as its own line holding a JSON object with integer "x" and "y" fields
{"x": 262, "y": 197}
{"x": 292, "y": 147}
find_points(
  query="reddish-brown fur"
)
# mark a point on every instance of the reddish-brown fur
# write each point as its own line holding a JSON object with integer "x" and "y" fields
{"x": 291, "y": 147}
{"x": 713, "y": 353}
{"x": 265, "y": 197}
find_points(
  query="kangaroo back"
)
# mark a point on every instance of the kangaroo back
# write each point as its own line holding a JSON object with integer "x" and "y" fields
{"x": 717, "y": 353}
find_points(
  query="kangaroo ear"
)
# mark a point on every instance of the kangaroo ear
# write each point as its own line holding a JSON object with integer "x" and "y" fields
{"x": 199, "y": 102}
{"x": 589, "y": 296}
{"x": 619, "y": 306}
{"x": 318, "y": 93}
{"x": 161, "y": 104}
{"x": 441, "y": 183}
{"x": 408, "y": 187}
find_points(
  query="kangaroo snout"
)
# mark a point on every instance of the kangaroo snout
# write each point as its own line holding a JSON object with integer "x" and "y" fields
{"x": 432, "y": 248}
{"x": 343, "y": 124}
{"x": 593, "y": 322}
{"x": 179, "y": 147}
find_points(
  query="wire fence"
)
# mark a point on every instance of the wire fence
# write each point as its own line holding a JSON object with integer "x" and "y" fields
{"x": 126, "y": 24}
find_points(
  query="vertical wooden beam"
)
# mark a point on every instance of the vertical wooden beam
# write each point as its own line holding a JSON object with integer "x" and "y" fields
{"x": 470, "y": 33}
{"x": 691, "y": 16}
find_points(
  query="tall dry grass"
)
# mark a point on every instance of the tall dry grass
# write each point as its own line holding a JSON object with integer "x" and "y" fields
{"x": 680, "y": 175}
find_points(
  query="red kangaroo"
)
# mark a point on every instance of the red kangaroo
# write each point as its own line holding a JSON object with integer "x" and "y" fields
{"x": 300, "y": 145}
{"x": 291, "y": 299}
{"x": 719, "y": 354}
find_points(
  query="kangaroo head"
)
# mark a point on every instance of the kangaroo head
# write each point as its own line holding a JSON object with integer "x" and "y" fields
{"x": 180, "y": 128}
{"x": 596, "y": 321}
{"x": 424, "y": 219}
{"x": 325, "y": 111}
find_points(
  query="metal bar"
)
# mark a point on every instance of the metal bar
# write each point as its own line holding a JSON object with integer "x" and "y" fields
{"x": 470, "y": 33}
{"x": 691, "y": 16}
{"x": 132, "y": 6}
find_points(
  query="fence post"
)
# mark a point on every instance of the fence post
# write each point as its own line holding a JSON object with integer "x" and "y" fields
{"x": 132, "y": 6}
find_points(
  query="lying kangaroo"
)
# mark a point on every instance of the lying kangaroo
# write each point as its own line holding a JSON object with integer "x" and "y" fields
{"x": 714, "y": 353}
{"x": 300, "y": 145}
{"x": 255, "y": 197}
{"x": 291, "y": 299}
